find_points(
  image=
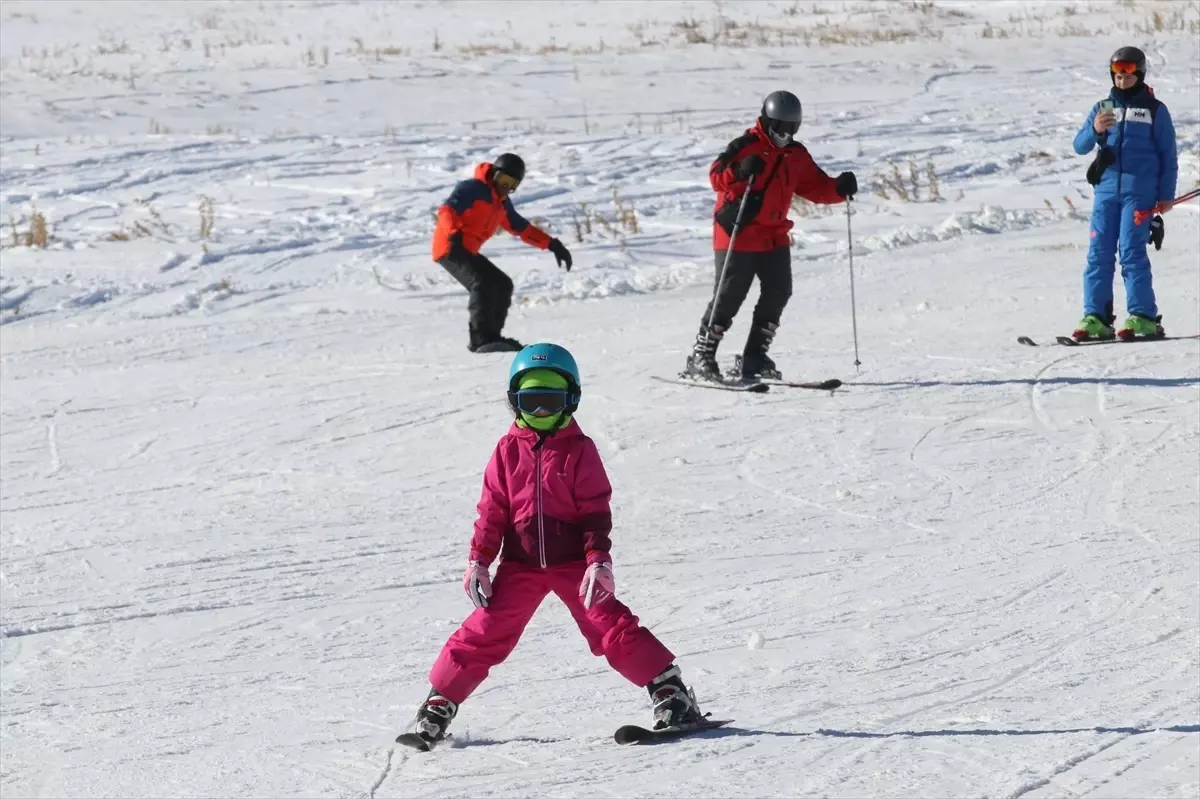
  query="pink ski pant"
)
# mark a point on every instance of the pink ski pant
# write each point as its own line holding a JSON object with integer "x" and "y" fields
{"x": 490, "y": 634}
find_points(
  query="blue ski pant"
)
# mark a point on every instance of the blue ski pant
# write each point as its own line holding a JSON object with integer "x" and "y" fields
{"x": 1113, "y": 232}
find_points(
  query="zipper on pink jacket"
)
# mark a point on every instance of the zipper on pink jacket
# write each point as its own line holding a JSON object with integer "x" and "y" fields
{"x": 541, "y": 526}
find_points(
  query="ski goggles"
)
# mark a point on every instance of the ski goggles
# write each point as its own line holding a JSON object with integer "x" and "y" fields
{"x": 505, "y": 182}
{"x": 780, "y": 126}
{"x": 1124, "y": 67}
{"x": 540, "y": 401}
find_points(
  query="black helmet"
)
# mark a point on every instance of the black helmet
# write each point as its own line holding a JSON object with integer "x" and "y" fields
{"x": 510, "y": 164}
{"x": 781, "y": 116}
{"x": 1130, "y": 55}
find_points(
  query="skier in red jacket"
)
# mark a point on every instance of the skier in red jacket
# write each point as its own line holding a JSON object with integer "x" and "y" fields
{"x": 780, "y": 168}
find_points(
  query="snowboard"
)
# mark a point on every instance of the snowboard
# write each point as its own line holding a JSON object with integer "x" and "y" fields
{"x": 720, "y": 385}
{"x": 633, "y": 734}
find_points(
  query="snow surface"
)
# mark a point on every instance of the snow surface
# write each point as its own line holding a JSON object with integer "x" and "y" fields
{"x": 239, "y": 464}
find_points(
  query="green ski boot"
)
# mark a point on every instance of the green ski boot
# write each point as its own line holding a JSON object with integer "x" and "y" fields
{"x": 1092, "y": 327}
{"x": 1138, "y": 326}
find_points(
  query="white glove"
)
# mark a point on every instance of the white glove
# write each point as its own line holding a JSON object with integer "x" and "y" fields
{"x": 478, "y": 584}
{"x": 598, "y": 584}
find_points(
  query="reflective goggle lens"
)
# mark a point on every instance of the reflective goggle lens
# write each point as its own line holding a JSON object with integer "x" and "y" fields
{"x": 505, "y": 181}
{"x": 541, "y": 401}
{"x": 1124, "y": 67}
{"x": 779, "y": 126}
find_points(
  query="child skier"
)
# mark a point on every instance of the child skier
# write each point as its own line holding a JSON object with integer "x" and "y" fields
{"x": 468, "y": 218}
{"x": 545, "y": 513}
{"x": 780, "y": 169}
{"x": 1135, "y": 170}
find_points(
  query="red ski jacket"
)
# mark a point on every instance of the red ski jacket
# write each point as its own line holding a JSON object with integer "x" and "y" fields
{"x": 476, "y": 211}
{"x": 788, "y": 171}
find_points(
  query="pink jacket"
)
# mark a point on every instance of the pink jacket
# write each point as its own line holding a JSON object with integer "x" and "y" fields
{"x": 547, "y": 507}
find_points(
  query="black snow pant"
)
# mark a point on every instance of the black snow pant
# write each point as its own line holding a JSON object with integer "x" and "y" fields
{"x": 774, "y": 272}
{"x": 491, "y": 293}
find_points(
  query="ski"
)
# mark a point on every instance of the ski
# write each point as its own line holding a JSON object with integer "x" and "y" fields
{"x": 414, "y": 741}
{"x": 720, "y": 385}
{"x": 1067, "y": 341}
{"x": 816, "y": 385}
{"x": 633, "y": 734}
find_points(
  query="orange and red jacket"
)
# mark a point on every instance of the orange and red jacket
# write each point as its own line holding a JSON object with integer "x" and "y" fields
{"x": 788, "y": 171}
{"x": 474, "y": 210}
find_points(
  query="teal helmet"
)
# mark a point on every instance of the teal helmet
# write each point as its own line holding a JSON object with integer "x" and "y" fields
{"x": 550, "y": 357}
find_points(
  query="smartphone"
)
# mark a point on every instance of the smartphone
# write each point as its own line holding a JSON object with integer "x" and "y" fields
{"x": 1106, "y": 106}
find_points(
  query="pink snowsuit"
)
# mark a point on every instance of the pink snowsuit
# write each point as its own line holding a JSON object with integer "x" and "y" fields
{"x": 546, "y": 513}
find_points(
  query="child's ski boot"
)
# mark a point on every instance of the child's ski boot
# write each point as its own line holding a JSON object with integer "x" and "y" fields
{"x": 674, "y": 703}
{"x": 434, "y": 717}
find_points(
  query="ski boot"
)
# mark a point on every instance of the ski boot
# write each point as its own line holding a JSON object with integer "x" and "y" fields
{"x": 434, "y": 717}
{"x": 702, "y": 363}
{"x": 674, "y": 703}
{"x": 754, "y": 363}
{"x": 1092, "y": 327}
{"x": 1138, "y": 326}
{"x": 498, "y": 345}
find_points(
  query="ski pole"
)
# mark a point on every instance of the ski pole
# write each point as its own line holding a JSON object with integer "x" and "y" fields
{"x": 853, "y": 304}
{"x": 737, "y": 223}
{"x": 1140, "y": 216}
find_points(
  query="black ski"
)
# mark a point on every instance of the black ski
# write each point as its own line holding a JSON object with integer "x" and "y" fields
{"x": 415, "y": 741}
{"x": 633, "y": 734}
{"x": 1067, "y": 341}
{"x": 720, "y": 385}
{"x": 816, "y": 385}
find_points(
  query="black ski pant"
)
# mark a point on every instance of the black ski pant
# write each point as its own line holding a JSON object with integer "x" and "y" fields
{"x": 774, "y": 272}
{"x": 490, "y": 293}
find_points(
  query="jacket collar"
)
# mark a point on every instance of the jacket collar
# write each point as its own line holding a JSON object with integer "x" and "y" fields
{"x": 1142, "y": 96}
{"x": 483, "y": 172}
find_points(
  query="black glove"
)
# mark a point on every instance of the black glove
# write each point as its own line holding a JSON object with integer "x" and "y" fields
{"x": 846, "y": 185}
{"x": 561, "y": 253}
{"x": 1157, "y": 231}
{"x": 456, "y": 244}
{"x": 751, "y": 167}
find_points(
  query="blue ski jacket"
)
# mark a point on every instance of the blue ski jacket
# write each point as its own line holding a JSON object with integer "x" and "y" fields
{"x": 1143, "y": 142}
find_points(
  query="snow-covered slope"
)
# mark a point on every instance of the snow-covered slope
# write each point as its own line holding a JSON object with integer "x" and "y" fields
{"x": 242, "y": 437}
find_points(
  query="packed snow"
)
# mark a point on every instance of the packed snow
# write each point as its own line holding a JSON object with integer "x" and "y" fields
{"x": 243, "y": 438}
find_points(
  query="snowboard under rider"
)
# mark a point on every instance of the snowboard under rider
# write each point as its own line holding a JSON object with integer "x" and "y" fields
{"x": 545, "y": 514}
{"x": 1135, "y": 170}
{"x": 469, "y": 217}
{"x": 781, "y": 168}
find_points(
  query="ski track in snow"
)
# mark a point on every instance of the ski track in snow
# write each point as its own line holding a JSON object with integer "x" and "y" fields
{"x": 239, "y": 466}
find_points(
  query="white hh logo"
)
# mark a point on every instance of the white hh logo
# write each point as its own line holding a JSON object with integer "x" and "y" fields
{"x": 1133, "y": 115}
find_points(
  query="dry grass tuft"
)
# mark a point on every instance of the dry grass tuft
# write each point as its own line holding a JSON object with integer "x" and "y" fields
{"x": 889, "y": 184}
{"x": 207, "y": 217}
{"x": 38, "y": 234}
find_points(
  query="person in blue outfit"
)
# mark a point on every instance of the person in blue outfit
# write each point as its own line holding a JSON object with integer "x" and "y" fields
{"x": 1135, "y": 170}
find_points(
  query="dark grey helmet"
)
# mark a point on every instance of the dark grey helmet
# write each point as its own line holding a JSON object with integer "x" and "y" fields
{"x": 783, "y": 107}
{"x": 1130, "y": 54}
{"x": 511, "y": 164}
{"x": 781, "y": 116}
